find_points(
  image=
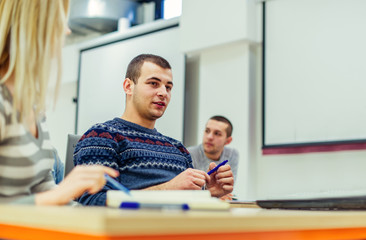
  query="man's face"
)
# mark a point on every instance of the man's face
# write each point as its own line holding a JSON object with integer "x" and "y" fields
{"x": 152, "y": 92}
{"x": 215, "y": 137}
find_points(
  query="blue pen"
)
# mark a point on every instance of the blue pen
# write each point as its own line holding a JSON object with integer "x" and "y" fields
{"x": 117, "y": 184}
{"x": 167, "y": 206}
{"x": 217, "y": 167}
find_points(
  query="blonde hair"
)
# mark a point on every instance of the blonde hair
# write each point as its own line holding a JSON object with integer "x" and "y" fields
{"x": 31, "y": 36}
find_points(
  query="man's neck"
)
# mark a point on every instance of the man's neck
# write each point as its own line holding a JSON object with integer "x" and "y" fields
{"x": 139, "y": 121}
{"x": 214, "y": 157}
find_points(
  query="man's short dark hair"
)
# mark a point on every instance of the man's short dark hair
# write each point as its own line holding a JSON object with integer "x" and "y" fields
{"x": 229, "y": 129}
{"x": 134, "y": 67}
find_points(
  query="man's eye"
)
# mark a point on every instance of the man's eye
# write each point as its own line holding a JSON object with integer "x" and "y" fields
{"x": 168, "y": 88}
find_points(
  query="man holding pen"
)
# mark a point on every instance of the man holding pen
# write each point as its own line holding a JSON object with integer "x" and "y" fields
{"x": 145, "y": 158}
{"x": 214, "y": 147}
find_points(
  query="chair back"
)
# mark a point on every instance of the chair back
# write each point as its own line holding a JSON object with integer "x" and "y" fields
{"x": 72, "y": 140}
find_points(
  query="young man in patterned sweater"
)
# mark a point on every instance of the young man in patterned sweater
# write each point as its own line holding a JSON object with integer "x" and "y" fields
{"x": 145, "y": 158}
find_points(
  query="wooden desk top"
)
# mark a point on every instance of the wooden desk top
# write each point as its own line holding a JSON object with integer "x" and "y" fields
{"x": 107, "y": 223}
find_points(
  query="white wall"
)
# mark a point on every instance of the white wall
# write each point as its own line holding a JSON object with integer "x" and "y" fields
{"x": 61, "y": 117}
{"x": 221, "y": 45}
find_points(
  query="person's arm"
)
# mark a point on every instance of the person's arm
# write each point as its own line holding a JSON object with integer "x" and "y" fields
{"x": 81, "y": 179}
{"x": 190, "y": 179}
{"x": 96, "y": 151}
{"x": 221, "y": 181}
{"x": 45, "y": 185}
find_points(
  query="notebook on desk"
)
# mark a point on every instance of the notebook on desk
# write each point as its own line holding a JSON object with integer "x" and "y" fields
{"x": 165, "y": 199}
{"x": 331, "y": 203}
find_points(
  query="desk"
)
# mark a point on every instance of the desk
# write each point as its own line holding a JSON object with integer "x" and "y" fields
{"x": 30, "y": 222}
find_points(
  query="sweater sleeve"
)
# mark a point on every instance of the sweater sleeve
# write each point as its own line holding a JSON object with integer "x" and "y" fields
{"x": 92, "y": 149}
{"x": 98, "y": 199}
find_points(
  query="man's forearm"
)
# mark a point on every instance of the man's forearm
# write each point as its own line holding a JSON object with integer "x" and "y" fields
{"x": 162, "y": 186}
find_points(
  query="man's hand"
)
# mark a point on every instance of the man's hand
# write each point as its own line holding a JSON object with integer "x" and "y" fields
{"x": 190, "y": 179}
{"x": 227, "y": 197}
{"x": 221, "y": 182}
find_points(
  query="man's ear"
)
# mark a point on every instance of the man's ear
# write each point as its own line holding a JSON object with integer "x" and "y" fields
{"x": 228, "y": 140}
{"x": 128, "y": 86}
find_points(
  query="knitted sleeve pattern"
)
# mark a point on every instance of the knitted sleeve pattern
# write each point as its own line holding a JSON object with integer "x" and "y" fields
{"x": 143, "y": 157}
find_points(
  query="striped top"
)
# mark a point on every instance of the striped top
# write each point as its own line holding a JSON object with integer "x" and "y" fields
{"x": 25, "y": 161}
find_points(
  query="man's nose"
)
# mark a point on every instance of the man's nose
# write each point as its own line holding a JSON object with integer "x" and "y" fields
{"x": 209, "y": 135}
{"x": 162, "y": 91}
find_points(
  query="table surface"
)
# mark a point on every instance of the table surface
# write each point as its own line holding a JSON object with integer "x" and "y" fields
{"x": 28, "y": 222}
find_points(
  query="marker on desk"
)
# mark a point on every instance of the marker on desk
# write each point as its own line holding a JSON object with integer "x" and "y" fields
{"x": 116, "y": 184}
{"x": 217, "y": 167}
{"x": 167, "y": 206}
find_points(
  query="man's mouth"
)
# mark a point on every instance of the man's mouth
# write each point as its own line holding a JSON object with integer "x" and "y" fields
{"x": 160, "y": 103}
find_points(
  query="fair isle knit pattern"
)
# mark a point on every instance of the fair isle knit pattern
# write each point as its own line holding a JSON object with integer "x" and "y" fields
{"x": 144, "y": 157}
{"x": 25, "y": 162}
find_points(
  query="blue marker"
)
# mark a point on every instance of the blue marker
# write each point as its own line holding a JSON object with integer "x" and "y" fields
{"x": 116, "y": 184}
{"x": 217, "y": 167}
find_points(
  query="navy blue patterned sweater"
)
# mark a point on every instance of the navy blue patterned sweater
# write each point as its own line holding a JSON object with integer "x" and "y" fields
{"x": 144, "y": 157}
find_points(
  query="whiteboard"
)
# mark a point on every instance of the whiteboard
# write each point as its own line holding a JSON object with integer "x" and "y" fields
{"x": 315, "y": 71}
{"x": 102, "y": 72}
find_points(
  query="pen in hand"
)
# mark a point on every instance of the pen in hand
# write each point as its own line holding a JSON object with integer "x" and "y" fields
{"x": 217, "y": 167}
{"x": 116, "y": 184}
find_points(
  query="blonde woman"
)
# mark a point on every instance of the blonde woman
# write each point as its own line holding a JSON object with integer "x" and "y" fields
{"x": 31, "y": 39}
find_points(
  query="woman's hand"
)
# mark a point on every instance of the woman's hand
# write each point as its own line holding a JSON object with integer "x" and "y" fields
{"x": 81, "y": 179}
